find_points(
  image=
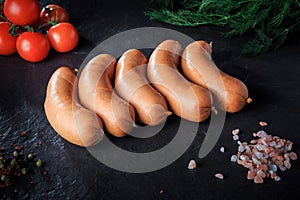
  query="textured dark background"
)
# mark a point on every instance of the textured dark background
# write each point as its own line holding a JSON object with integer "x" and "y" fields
{"x": 272, "y": 78}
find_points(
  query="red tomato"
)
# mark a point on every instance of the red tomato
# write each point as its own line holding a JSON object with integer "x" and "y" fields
{"x": 22, "y": 12}
{"x": 53, "y": 13}
{"x": 33, "y": 46}
{"x": 63, "y": 37}
{"x": 7, "y": 41}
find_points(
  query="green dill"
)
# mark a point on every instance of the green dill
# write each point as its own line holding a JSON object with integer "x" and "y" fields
{"x": 270, "y": 21}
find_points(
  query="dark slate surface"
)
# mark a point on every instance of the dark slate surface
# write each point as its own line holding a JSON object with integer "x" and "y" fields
{"x": 272, "y": 78}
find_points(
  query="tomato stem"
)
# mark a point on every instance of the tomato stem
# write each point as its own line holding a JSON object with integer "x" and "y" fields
{"x": 28, "y": 28}
{"x": 41, "y": 27}
{"x": 48, "y": 11}
{"x": 56, "y": 17}
{"x": 13, "y": 30}
{"x": 3, "y": 17}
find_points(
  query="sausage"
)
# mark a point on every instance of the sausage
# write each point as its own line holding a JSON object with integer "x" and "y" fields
{"x": 68, "y": 118}
{"x": 96, "y": 93}
{"x": 187, "y": 100}
{"x": 132, "y": 85}
{"x": 197, "y": 65}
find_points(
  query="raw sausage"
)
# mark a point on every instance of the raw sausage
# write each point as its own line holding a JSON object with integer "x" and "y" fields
{"x": 96, "y": 93}
{"x": 197, "y": 65}
{"x": 187, "y": 100}
{"x": 68, "y": 118}
{"x": 132, "y": 85}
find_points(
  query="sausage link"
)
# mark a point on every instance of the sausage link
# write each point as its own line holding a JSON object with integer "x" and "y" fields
{"x": 197, "y": 65}
{"x": 187, "y": 100}
{"x": 132, "y": 85}
{"x": 68, "y": 118}
{"x": 96, "y": 93}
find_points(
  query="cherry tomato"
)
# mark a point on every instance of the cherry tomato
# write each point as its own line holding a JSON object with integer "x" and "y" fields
{"x": 53, "y": 13}
{"x": 33, "y": 46}
{"x": 63, "y": 37}
{"x": 7, "y": 41}
{"x": 22, "y": 12}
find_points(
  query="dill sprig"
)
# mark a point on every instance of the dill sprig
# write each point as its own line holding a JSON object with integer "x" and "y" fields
{"x": 269, "y": 21}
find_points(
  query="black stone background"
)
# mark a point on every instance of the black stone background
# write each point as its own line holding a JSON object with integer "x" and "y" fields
{"x": 272, "y": 79}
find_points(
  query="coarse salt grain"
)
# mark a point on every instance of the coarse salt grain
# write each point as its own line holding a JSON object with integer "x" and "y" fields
{"x": 244, "y": 157}
{"x": 258, "y": 154}
{"x": 262, "y": 123}
{"x": 192, "y": 164}
{"x": 248, "y": 149}
{"x": 287, "y": 164}
{"x": 253, "y": 141}
{"x": 273, "y": 167}
{"x": 261, "y": 133}
{"x": 233, "y": 158}
{"x": 260, "y": 147}
{"x": 235, "y": 131}
{"x": 282, "y": 168}
{"x": 251, "y": 175}
{"x": 286, "y": 156}
{"x": 241, "y": 148}
{"x": 272, "y": 144}
{"x": 235, "y": 137}
{"x": 293, "y": 156}
{"x": 222, "y": 149}
{"x": 289, "y": 147}
{"x": 256, "y": 161}
{"x": 273, "y": 175}
{"x": 277, "y": 178}
{"x": 270, "y": 172}
{"x": 219, "y": 176}
{"x": 258, "y": 179}
{"x": 261, "y": 173}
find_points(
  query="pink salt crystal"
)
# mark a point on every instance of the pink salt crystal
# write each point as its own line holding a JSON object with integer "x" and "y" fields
{"x": 287, "y": 164}
{"x": 272, "y": 144}
{"x": 275, "y": 138}
{"x": 289, "y": 146}
{"x": 222, "y": 149}
{"x": 241, "y": 148}
{"x": 260, "y": 147}
{"x": 262, "y": 123}
{"x": 192, "y": 164}
{"x": 219, "y": 176}
{"x": 282, "y": 168}
{"x": 293, "y": 156}
{"x": 244, "y": 157}
{"x": 253, "y": 141}
{"x": 277, "y": 178}
{"x": 286, "y": 156}
{"x": 261, "y": 173}
{"x": 256, "y": 161}
{"x": 258, "y": 179}
{"x": 251, "y": 175}
{"x": 261, "y": 133}
{"x": 279, "y": 163}
{"x": 264, "y": 161}
{"x": 235, "y": 137}
{"x": 235, "y": 131}
{"x": 233, "y": 158}
{"x": 273, "y": 175}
